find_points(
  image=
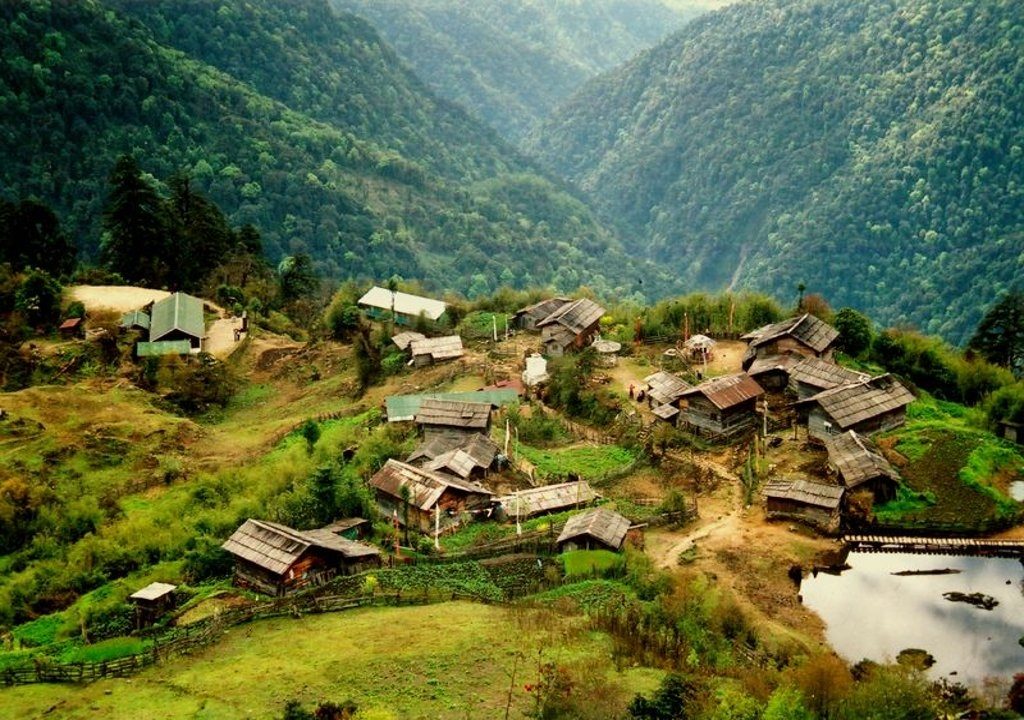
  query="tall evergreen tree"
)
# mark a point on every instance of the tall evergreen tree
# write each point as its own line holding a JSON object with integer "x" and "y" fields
{"x": 1000, "y": 334}
{"x": 199, "y": 234}
{"x": 31, "y": 236}
{"x": 135, "y": 234}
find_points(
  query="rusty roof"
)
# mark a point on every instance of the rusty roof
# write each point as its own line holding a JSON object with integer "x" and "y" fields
{"x": 728, "y": 391}
{"x": 600, "y": 523}
{"x": 451, "y": 413}
{"x": 548, "y": 498}
{"x": 848, "y": 405}
{"x": 425, "y": 486}
{"x": 823, "y": 374}
{"x": 857, "y": 459}
{"x": 575, "y": 317}
{"x": 808, "y": 329}
{"x": 665, "y": 387}
{"x": 806, "y": 492}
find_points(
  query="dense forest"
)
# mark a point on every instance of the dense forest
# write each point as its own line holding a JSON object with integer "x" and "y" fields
{"x": 871, "y": 151}
{"x": 361, "y": 167}
{"x": 512, "y": 62}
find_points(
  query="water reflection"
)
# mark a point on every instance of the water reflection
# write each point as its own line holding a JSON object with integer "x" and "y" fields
{"x": 871, "y": 613}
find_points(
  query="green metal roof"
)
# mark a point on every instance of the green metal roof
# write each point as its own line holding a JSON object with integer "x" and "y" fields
{"x": 178, "y": 312}
{"x": 405, "y": 407}
{"x": 135, "y": 318}
{"x": 163, "y": 347}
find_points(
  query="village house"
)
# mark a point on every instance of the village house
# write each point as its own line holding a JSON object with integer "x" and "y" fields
{"x": 403, "y": 408}
{"x": 570, "y": 327}
{"x": 870, "y": 406}
{"x": 151, "y": 602}
{"x": 773, "y": 372}
{"x": 665, "y": 389}
{"x": 377, "y": 303}
{"x": 470, "y": 459}
{"x": 427, "y": 351}
{"x": 135, "y": 321}
{"x": 428, "y": 501}
{"x": 403, "y": 339}
{"x": 721, "y": 407}
{"x": 528, "y": 317}
{"x": 810, "y": 376}
{"x": 176, "y": 327}
{"x": 597, "y": 529}
{"x": 814, "y": 503}
{"x": 275, "y": 559}
{"x": 859, "y": 465}
{"x": 804, "y": 335}
{"x": 449, "y": 419}
{"x": 548, "y": 499}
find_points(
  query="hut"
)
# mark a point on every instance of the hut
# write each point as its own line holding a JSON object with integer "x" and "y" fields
{"x": 699, "y": 348}
{"x": 876, "y": 404}
{"x": 859, "y": 464}
{"x": 804, "y": 335}
{"x": 814, "y": 503}
{"x": 570, "y": 327}
{"x": 472, "y": 459}
{"x": 378, "y": 302}
{"x": 452, "y": 419}
{"x": 401, "y": 408}
{"x": 812, "y": 375}
{"x": 773, "y": 372}
{"x": 607, "y": 352}
{"x": 151, "y": 602}
{"x": 178, "y": 317}
{"x": 434, "y": 350}
{"x": 597, "y": 529}
{"x": 721, "y": 407}
{"x": 72, "y": 328}
{"x": 527, "y": 318}
{"x": 136, "y": 320}
{"x": 430, "y": 502}
{"x": 548, "y": 499}
{"x": 665, "y": 388}
{"x": 276, "y": 559}
{"x": 480, "y": 450}
{"x": 403, "y": 339}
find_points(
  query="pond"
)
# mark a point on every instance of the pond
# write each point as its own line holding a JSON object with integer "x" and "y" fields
{"x": 871, "y": 612}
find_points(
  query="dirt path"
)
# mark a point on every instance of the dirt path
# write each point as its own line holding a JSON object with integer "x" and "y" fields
{"x": 220, "y": 336}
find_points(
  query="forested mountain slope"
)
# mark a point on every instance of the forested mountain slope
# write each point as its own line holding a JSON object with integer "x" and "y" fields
{"x": 871, "y": 149}
{"x": 512, "y": 61}
{"x": 308, "y": 127}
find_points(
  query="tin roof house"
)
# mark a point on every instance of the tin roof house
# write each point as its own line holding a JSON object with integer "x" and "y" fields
{"x": 377, "y": 303}
{"x": 176, "y": 326}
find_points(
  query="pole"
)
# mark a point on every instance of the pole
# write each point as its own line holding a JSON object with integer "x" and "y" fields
{"x": 494, "y": 324}
{"x": 519, "y": 528}
{"x": 765, "y": 417}
{"x": 437, "y": 527}
{"x": 506, "y": 436}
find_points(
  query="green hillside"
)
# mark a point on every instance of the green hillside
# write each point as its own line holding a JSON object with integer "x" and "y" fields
{"x": 512, "y": 62}
{"x": 871, "y": 150}
{"x": 292, "y": 119}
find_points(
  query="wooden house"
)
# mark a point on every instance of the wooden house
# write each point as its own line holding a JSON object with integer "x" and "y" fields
{"x": 434, "y": 350}
{"x": 351, "y": 528}
{"x": 804, "y": 335}
{"x": 151, "y": 602}
{"x": 876, "y": 404}
{"x": 665, "y": 390}
{"x": 570, "y": 327}
{"x": 431, "y": 502}
{"x": 527, "y": 318}
{"x": 773, "y": 371}
{"x": 404, "y": 408}
{"x": 178, "y": 317}
{"x": 859, "y": 465}
{"x": 479, "y": 449}
{"x": 276, "y": 559}
{"x": 377, "y": 303}
{"x": 597, "y": 529}
{"x": 721, "y": 407}
{"x": 72, "y": 328}
{"x": 815, "y": 503}
{"x": 403, "y": 339}
{"x": 548, "y": 499}
{"x": 453, "y": 419}
{"x": 811, "y": 375}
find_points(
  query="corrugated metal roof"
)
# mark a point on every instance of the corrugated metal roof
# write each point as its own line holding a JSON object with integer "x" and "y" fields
{"x": 808, "y": 329}
{"x": 548, "y": 498}
{"x": 806, "y": 492}
{"x": 605, "y": 525}
{"x": 544, "y": 308}
{"x": 857, "y": 459}
{"x": 457, "y": 462}
{"x": 163, "y": 347}
{"x": 425, "y": 486}
{"x": 848, "y": 405}
{"x": 135, "y": 318}
{"x": 153, "y": 591}
{"x": 177, "y": 312}
{"x": 439, "y": 348}
{"x": 405, "y": 303}
{"x": 666, "y": 412}
{"x": 665, "y": 387}
{"x": 480, "y": 448}
{"x": 823, "y": 374}
{"x": 405, "y": 407}
{"x": 403, "y": 339}
{"x": 575, "y": 317}
{"x": 448, "y": 413}
{"x": 729, "y": 391}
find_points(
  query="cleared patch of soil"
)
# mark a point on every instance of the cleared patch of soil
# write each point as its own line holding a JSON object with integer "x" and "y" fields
{"x": 114, "y": 297}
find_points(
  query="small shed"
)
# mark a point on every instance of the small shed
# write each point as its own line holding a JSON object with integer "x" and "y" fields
{"x": 135, "y": 320}
{"x": 665, "y": 388}
{"x": 178, "y": 317}
{"x": 276, "y": 559}
{"x": 570, "y": 327}
{"x": 859, "y": 464}
{"x": 812, "y": 375}
{"x": 817, "y": 504}
{"x": 72, "y": 327}
{"x": 527, "y": 318}
{"x": 804, "y": 334}
{"x": 434, "y": 350}
{"x": 151, "y": 602}
{"x": 721, "y": 407}
{"x": 453, "y": 419}
{"x": 377, "y": 303}
{"x": 548, "y": 499}
{"x": 871, "y": 406}
{"x": 428, "y": 501}
{"x": 404, "y": 339}
{"x": 597, "y": 529}
{"x": 699, "y": 348}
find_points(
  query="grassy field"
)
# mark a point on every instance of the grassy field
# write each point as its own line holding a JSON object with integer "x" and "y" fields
{"x": 587, "y": 461}
{"x": 449, "y": 660}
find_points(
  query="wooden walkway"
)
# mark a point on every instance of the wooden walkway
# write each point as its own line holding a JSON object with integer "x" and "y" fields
{"x": 935, "y": 545}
